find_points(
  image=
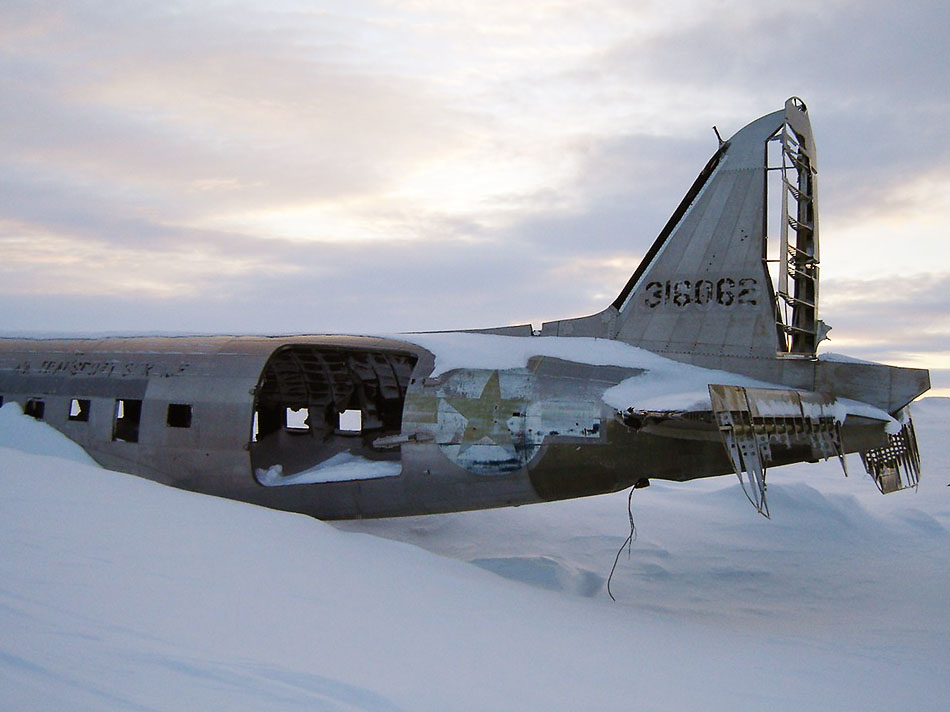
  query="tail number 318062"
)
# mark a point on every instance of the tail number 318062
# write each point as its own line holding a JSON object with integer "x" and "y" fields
{"x": 725, "y": 292}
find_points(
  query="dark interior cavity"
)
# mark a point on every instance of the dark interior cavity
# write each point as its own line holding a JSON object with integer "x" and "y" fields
{"x": 313, "y": 403}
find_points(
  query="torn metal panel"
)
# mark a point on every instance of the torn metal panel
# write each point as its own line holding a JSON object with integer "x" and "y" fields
{"x": 753, "y": 421}
{"x": 637, "y": 418}
{"x": 682, "y": 424}
{"x": 895, "y": 466}
{"x": 493, "y": 422}
{"x": 742, "y": 444}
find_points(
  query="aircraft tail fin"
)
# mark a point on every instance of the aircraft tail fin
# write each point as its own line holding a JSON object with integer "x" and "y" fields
{"x": 705, "y": 286}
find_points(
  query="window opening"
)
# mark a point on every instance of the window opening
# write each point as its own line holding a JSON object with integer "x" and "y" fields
{"x": 178, "y": 415}
{"x": 351, "y": 421}
{"x": 35, "y": 408}
{"x": 297, "y": 419}
{"x": 267, "y": 420}
{"x": 128, "y": 415}
{"x": 79, "y": 410}
{"x": 313, "y": 404}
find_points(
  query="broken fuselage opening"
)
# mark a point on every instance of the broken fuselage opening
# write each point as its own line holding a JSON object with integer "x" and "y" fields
{"x": 315, "y": 403}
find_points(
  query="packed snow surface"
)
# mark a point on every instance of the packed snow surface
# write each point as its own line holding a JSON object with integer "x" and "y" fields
{"x": 29, "y": 435}
{"x": 664, "y": 384}
{"x": 341, "y": 467}
{"x": 119, "y": 593}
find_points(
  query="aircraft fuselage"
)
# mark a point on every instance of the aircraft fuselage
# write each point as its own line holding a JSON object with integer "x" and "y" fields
{"x": 706, "y": 363}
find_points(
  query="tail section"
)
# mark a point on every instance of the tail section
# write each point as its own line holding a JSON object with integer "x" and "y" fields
{"x": 705, "y": 286}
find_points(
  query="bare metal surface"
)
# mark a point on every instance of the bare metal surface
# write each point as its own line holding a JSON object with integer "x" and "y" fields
{"x": 754, "y": 421}
{"x": 282, "y": 421}
{"x": 896, "y": 465}
{"x": 797, "y": 294}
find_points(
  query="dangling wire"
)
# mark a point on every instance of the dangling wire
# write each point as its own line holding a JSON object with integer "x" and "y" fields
{"x": 631, "y": 537}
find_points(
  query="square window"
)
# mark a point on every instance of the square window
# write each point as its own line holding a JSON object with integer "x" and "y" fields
{"x": 79, "y": 410}
{"x": 178, "y": 415}
{"x": 35, "y": 408}
{"x": 351, "y": 421}
{"x": 128, "y": 415}
{"x": 297, "y": 419}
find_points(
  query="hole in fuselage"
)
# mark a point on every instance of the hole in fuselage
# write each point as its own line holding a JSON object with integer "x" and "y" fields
{"x": 126, "y": 419}
{"x": 178, "y": 415}
{"x": 317, "y": 407}
{"x": 297, "y": 420}
{"x": 79, "y": 410}
{"x": 351, "y": 421}
{"x": 35, "y": 408}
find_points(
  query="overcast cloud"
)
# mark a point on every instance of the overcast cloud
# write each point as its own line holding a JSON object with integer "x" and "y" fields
{"x": 323, "y": 166}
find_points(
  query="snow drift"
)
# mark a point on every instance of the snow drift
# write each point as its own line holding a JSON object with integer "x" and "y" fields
{"x": 119, "y": 593}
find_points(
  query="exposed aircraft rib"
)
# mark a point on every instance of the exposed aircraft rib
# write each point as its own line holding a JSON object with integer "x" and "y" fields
{"x": 742, "y": 444}
{"x": 895, "y": 466}
{"x": 754, "y": 421}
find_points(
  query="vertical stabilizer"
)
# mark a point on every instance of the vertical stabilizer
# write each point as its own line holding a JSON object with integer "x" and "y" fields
{"x": 704, "y": 287}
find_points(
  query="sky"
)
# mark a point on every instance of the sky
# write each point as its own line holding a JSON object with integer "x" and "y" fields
{"x": 368, "y": 166}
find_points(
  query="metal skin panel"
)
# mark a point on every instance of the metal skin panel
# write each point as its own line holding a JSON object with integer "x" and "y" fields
{"x": 479, "y": 437}
{"x": 756, "y": 424}
{"x": 215, "y": 375}
{"x": 708, "y": 298}
{"x": 493, "y": 422}
{"x": 705, "y": 288}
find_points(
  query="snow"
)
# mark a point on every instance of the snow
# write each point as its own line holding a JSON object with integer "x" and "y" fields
{"x": 665, "y": 384}
{"x": 120, "y": 593}
{"x": 841, "y": 358}
{"x": 341, "y": 467}
{"x": 29, "y": 435}
{"x": 489, "y": 351}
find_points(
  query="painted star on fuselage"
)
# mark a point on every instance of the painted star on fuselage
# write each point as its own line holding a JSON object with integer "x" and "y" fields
{"x": 486, "y": 417}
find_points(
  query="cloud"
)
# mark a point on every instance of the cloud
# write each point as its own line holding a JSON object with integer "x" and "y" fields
{"x": 208, "y": 113}
{"x": 288, "y": 286}
{"x": 904, "y": 320}
{"x": 621, "y": 195}
{"x": 868, "y": 71}
{"x": 388, "y": 166}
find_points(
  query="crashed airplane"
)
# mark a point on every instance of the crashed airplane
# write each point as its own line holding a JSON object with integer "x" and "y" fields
{"x": 704, "y": 365}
